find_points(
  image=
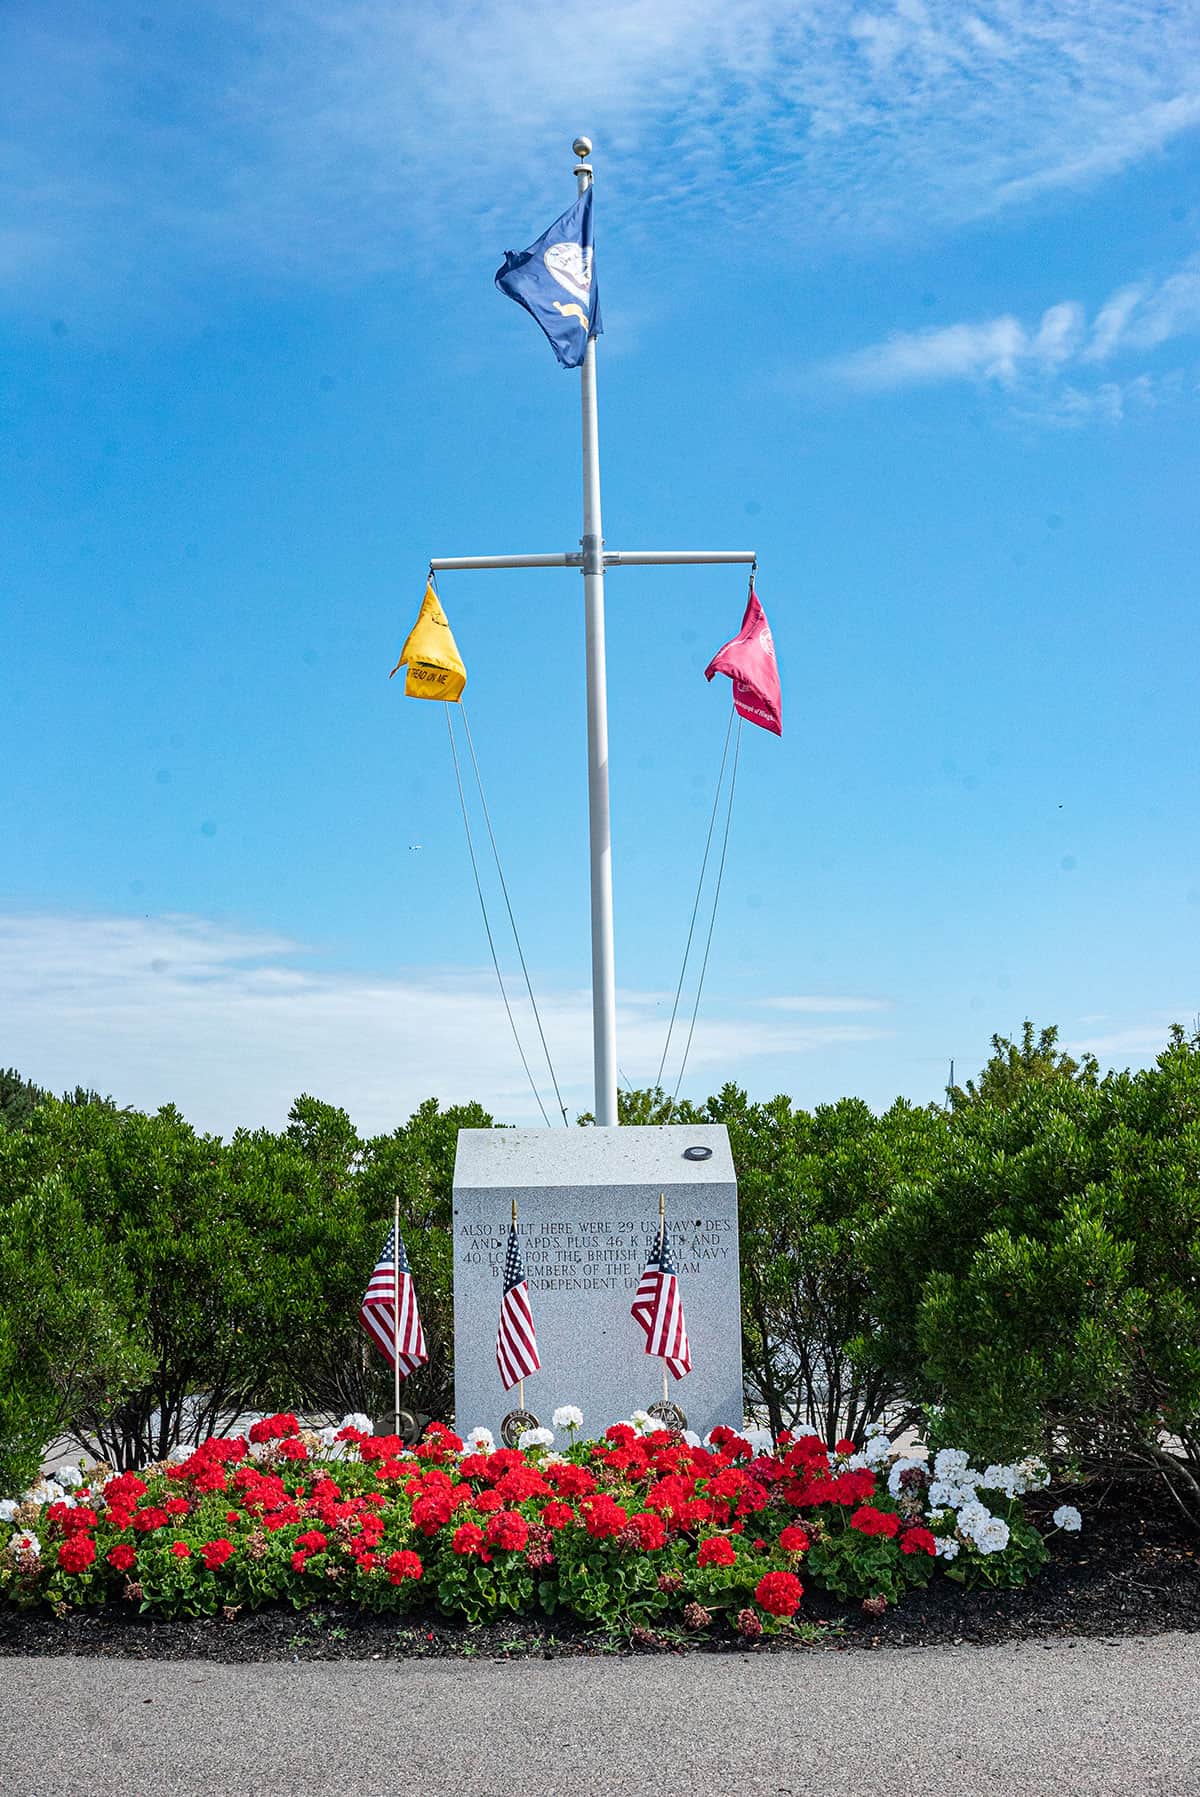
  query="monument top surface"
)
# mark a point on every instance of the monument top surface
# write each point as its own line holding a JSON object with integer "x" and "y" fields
{"x": 637, "y": 1155}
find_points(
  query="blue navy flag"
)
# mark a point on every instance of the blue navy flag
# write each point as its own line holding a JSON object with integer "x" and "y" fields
{"x": 555, "y": 281}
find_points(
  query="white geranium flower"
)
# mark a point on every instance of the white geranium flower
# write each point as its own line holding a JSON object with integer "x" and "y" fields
{"x": 758, "y": 1437}
{"x": 568, "y": 1416}
{"x": 946, "y": 1547}
{"x": 948, "y": 1463}
{"x": 643, "y": 1422}
{"x": 69, "y": 1477}
{"x": 877, "y": 1450}
{"x": 179, "y": 1452}
{"x": 857, "y": 1463}
{"x": 535, "y": 1438}
{"x": 945, "y": 1496}
{"x": 354, "y": 1419}
{"x": 1067, "y": 1517}
{"x": 988, "y": 1533}
{"x": 481, "y": 1441}
{"x": 691, "y": 1437}
{"x": 993, "y": 1539}
{"x": 907, "y": 1463}
{"x": 327, "y": 1435}
{"x": 874, "y": 1429}
{"x": 26, "y": 1542}
{"x": 1001, "y": 1478}
{"x": 8, "y": 1509}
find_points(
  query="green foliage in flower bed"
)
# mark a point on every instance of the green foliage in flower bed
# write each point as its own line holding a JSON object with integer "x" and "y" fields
{"x": 639, "y": 1529}
{"x": 1026, "y": 1257}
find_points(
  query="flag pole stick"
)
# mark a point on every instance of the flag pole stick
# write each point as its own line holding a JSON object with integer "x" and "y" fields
{"x": 604, "y": 998}
{"x": 396, "y": 1314}
{"x": 662, "y": 1239}
{"x": 520, "y": 1382}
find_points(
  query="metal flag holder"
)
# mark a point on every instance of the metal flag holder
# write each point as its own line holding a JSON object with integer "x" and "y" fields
{"x": 593, "y": 560}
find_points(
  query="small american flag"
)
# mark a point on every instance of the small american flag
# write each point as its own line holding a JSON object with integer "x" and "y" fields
{"x": 378, "y": 1312}
{"x": 516, "y": 1342}
{"x": 659, "y": 1308}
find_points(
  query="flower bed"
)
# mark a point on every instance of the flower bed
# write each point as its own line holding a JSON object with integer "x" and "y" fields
{"x": 641, "y": 1530}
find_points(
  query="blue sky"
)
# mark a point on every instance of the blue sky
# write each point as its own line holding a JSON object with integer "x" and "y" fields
{"x": 906, "y": 297}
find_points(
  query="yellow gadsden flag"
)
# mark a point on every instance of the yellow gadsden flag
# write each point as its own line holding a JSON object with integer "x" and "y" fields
{"x": 435, "y": 668}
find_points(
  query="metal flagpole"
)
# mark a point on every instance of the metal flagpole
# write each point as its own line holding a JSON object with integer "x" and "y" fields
{"x": 604, "y": 989}
{"x": 592, "y": 559}
{"x": 396, "y": 1313}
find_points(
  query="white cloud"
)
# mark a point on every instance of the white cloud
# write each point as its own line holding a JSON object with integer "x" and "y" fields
{"x": 232, "y": 1024}
{"x": 820, "y": 1006}
{"x": 328, "y": 137}
{"x": 1140, "y": 1041}
{"x": 1003, "y": 350}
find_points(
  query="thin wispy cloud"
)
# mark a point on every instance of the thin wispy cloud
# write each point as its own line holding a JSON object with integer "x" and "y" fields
{"x": 325, "y": 138}
{"x": 818, "y": 1006}
{"x": 232, "y": 1024}
{"x": 1045, "y": 353}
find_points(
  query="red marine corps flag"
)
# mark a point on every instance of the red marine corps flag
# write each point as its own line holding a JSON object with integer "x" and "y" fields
{"x": 749, "y": 660}
{"x": 658, "y": 1306}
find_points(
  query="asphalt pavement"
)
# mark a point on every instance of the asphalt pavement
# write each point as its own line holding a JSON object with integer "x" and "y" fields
{"x": 1032, "y": 1720}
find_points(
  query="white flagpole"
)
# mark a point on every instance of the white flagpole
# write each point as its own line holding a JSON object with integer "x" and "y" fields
{"x": 604, "y": 996}
{"x": 396, "y": 1315}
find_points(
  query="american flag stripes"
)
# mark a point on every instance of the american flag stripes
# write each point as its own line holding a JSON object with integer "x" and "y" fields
{"x": 659, "y": 1308}
{"x": 403, "y": 1347}
{"x": 516, "y": 1342}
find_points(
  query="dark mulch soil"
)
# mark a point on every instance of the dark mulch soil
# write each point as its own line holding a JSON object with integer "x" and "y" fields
{"x": 1134, "y": 1570}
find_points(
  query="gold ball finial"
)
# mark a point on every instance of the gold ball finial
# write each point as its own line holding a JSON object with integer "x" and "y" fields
{"x": 582, "y": 146}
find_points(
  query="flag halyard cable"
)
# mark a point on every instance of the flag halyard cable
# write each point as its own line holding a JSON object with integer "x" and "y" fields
{"x": 696, "y": 905}
{"x": 512, "y": 920}
{"x": 512, "y": 1023}
{"x": 737, "y": 744}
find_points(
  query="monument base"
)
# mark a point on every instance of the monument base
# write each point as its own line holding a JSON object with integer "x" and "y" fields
{"x": 587, "y": 1203}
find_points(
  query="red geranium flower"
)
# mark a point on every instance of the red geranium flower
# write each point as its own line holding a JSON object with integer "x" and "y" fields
{"x": 181, "y": 1550}
{"x": 488, "y": 1501}
{"x": 845, "y": 1446}
{"x": 793, "y": 1539}
{"x": 557, "y": 1516}
{"x": 313, "y": 1540}
{"x": 869, "y": 1521}
{"x": 779, "y": 1593}
{"x": 299, "y": 1560}
{"x": 176, "y": 1506}
{"x": 917, "y": 1541}
{"x": 402, "y": 1565}
{"x": 121, "y": 1556}
{"x": 602, "y": 1517}
{"x": 76, "y": 1553}
{"x": 215, "y": 1553}
{"x": 467, "y": 1539}
{"x": 716, "y": 1551}
{"x": 652, "y": 1530}
{"x": 150, "y": 1518}
{"x": 508, "y": 1529}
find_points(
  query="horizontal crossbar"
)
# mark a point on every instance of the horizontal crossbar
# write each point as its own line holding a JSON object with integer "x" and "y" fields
{"x": 617, "y": 558}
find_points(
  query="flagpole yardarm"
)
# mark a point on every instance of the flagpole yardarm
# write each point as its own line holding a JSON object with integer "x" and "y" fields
{"x": 604, "y": 990}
